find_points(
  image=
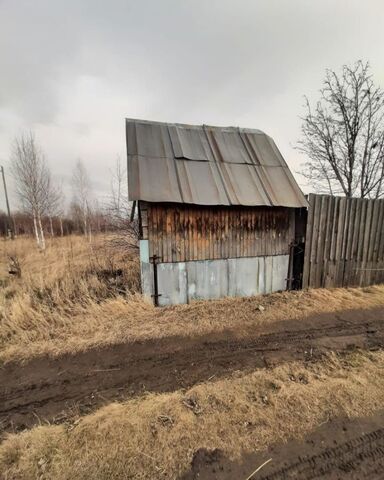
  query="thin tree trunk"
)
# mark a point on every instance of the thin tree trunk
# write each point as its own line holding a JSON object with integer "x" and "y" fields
{"x": 41, "y": 231}
{"x": 61, "y": 227}
{"x": 51, "y": 226}
{"x": 36, "y": 230}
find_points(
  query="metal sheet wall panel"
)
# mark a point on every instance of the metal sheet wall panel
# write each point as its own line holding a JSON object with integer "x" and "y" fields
{"x": 172, "y": 281}
{"x": 210, "y": 279}
{"x": 146, "y": 269}
{"x": 243, "y": 277}
{"x": 279, "y": 272}
{"x": 207, "y": 279}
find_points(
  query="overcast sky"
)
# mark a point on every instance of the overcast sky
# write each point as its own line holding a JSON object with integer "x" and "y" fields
{"x": 73, "y": 70}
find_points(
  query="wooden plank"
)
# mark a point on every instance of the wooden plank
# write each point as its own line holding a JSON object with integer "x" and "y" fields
{"x": 335, "y": 220}
{"x": 226, "y": 215}
{"x": 210, "y": 234}
{"x": 258, "y": 236}
{"x": 242, "y": 234}
{"x": 308, "y": 242}
{"x": 182, "y": 233}
{"x": 379, "y": 230}
{"x": 202, "y": 234}
{"x": 256, "y": 233}
{"x": 374, "y": 226}
{"x": 345, "y": 241}
{"x": 222, "y": 232}
{"x": 154, "y": 212}
{"x": 168, "y": 215}
{"x": 190, "y": 234}
{"x": 380, "y": 243}
{"x": 340, "y": 242}
{"x": 356, "y": 224}
{"x": 264, "y": 231}
{"x": 367, "y": 233}
{"x": 268, "y": 232}
{"x": 161, "y": 231}
{"x": 244, "y": 216}
{"x": 207, "y": 235}
{"x": 328, "y": 228}
{"x": 315, "y": 240}
{"x": 147, "y": 229}
{"x": 176, "y": 230}
{"x": 348, "y": 274}
{"x": 321, "y": 241}
{"x": 364, "y": 204}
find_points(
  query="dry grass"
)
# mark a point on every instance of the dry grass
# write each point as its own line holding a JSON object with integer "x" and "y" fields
{"x": 155, "y": 437}
{"x": 64, "y": 303}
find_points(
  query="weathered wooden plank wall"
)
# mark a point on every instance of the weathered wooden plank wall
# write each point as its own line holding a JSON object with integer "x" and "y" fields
{"x": 179, "y": 233}
{"x": 344, "y": 242}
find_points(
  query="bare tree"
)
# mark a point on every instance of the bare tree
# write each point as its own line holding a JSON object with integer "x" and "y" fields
{"x": 82, "y": 196}
{"x": 343, "y": 135}
{"x": 119, "y": 209}
{"x": 119, "y": 205}
{"x": 33, "y": 181}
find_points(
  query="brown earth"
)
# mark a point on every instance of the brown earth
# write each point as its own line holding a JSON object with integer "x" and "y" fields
{"x": 56, "y": 389}
{"x": 340, "y": 449}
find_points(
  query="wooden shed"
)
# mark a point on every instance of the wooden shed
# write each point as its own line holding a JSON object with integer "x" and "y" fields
{"x": 216, "y": 207}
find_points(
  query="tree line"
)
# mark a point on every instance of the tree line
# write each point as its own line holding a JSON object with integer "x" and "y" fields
{"x": 44, "y": 210}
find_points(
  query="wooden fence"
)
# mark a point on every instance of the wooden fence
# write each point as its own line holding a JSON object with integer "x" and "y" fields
{"x": 344, "y": 242}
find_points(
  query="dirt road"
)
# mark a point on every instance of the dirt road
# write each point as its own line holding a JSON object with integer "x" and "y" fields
{"x": 55, "y": 389}
{"x": 341, "y": 449}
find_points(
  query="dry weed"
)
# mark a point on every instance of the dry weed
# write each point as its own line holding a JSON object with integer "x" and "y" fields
{"x": 156, "y": 436}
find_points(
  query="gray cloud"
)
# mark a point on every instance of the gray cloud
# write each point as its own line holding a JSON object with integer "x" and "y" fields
{"x": 73, "y": 70}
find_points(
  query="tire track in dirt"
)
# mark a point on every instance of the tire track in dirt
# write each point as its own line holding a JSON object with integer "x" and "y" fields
{"x": 340, "y": 449}
{"x": 55, "y": 389}
{"x": 366, "y": 451}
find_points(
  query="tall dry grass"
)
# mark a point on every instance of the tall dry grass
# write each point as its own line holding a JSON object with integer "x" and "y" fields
{"x": 58, "y": 286}
{"x": 68, "y": 300}
{"x": 156, "y": 436}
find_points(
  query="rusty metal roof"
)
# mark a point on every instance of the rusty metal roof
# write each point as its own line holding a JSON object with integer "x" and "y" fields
{"x": 207, "y": 165}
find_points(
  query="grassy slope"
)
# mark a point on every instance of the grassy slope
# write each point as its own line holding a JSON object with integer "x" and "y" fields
{"x": 61, "y": 304}
{"x": 156, "y": 436}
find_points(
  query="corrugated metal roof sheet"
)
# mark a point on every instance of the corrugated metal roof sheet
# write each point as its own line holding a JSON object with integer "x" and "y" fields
{"x": 207, "y": 165}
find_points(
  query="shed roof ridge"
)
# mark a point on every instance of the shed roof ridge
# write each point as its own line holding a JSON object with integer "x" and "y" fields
{"x": 195, "y": 125}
